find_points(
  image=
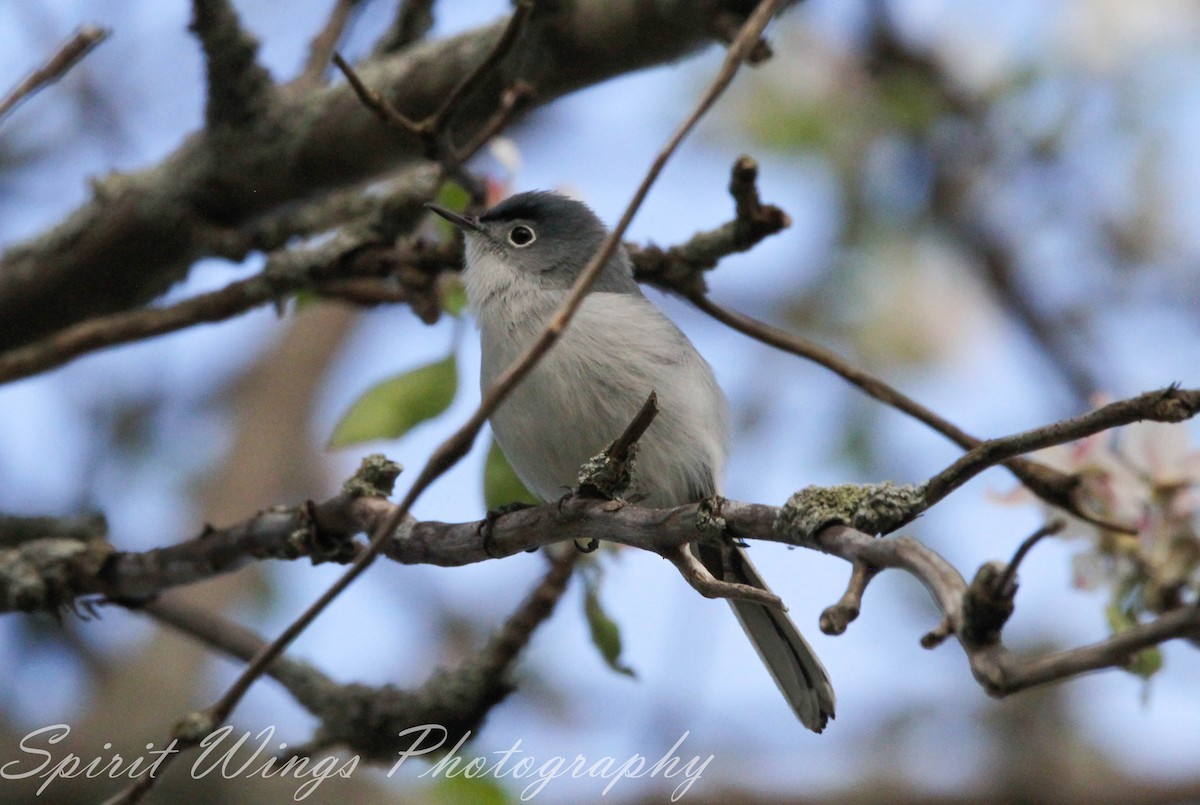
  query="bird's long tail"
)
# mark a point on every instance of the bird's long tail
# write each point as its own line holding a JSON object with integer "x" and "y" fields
{"x": 799, "y": 674}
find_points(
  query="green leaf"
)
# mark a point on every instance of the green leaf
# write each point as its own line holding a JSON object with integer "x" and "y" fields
{"x": 501, "y": 485}
{"x": 454, "y": 197}
{"x": 393, "y": 407}
{"x": 606, "y": 635}
{"x": 306, "y": 297}
{"x": 480, "y": 790}
{"x": 1145, "y": 663}
{"x": 454, "y": 295}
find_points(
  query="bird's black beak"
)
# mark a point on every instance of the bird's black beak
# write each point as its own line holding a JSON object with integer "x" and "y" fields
{"x": 469, "y": 223}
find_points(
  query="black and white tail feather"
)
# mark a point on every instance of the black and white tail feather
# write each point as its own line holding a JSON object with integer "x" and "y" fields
{"x": 793, "y": 664}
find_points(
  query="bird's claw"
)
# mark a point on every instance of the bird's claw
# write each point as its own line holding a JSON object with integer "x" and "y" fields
{"x": 488, "y": 524}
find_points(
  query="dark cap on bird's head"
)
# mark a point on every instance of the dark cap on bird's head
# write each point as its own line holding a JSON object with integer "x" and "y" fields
{"x": 544, "y": 233}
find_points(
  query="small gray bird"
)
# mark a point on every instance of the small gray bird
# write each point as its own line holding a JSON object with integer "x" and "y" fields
{"x": 521, "y": 258}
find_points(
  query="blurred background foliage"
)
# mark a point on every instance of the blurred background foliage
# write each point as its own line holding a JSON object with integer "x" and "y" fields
{"x": 994, "y": 208}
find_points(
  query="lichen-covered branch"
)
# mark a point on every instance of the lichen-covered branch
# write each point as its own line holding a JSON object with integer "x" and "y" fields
{"x": 240, "y": 89}
{"x": 367, "y": 719}
{"x": 141, "y": 231}
{"x": 973, "y": 613}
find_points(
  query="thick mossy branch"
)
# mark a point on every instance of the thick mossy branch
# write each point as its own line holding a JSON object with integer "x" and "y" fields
{"x": 870, "y": 508}
{"x": 239, "y": 88}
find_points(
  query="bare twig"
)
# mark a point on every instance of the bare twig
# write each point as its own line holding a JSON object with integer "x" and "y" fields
{"x": 433, "y": 130}
{"x": 1010, "y": 571}
{"x": 725, "y": 26}
{"x": 836, "y": 618}
{"x": 471, "y": 81}
{"x": 702, "y": 581}
{"x": 681, "y": 268}
{"x": 1171, "y": 404}
{"x": 619, "y": 450}
{"x": 1003, "y": 674}
{"x": 413, "y": 20}
{"x": 369, "y": 719}
{"x": 511, "y": 102}
{"x": 67, "y": 56}
{"x": 1053, "y": 486}
{"x": 326, "y": 40}
{"x": 608, "y": 474}
{"x": 233, "y": 639}
{"x": 374, "y": 101}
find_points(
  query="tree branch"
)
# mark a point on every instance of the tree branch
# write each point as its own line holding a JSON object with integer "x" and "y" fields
{"x": 1171, "y": 404}
{"x": 326, "y": 40}
{"x": 413, "y": 20}
{"x": 681, "y": 268}
{"x": 59, "y": 64}
{"x": 326, "y": 529}
{"x": 362, "y": 250}
{"x": 141, "y": 231}
{"x": 239, "y": 88}
{"x": 369, "y": 720}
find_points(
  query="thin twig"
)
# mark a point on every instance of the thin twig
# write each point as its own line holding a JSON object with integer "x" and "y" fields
{"x": 413, "y": 20}
{"x": 619, "y": 449}
{"x": 1010, "y": 572}
{"x": 511, "y": 101}
{"x": 873, "y": 386}
{"x": 1051, "y": 485}
{"x": 1171, "y": 404}
{"x": 67, "y": 56}
{"x": 374, "y": 101}
{"x": 835, "y": 619}
{"x": 681, "y": 268}
{"x": 702, "y": 581}
{"x": 432, "y": 129}
{"x": 326, "y": 40}
{"x": 230, "y": 638}
{"x": 454, "y": 448}
{"x": 512, "y": 32}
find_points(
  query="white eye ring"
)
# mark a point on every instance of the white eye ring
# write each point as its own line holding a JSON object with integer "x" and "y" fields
{"x": 521, "y": 236}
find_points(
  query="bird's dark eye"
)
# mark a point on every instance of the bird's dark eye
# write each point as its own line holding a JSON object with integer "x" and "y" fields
{"x": 521, "y": 236}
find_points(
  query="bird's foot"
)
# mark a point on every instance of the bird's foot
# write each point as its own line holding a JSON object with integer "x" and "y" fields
{"x": 488, "y": 524}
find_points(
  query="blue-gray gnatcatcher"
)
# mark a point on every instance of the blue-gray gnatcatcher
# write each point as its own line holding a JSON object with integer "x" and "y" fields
{"x": 521, "y": 258}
